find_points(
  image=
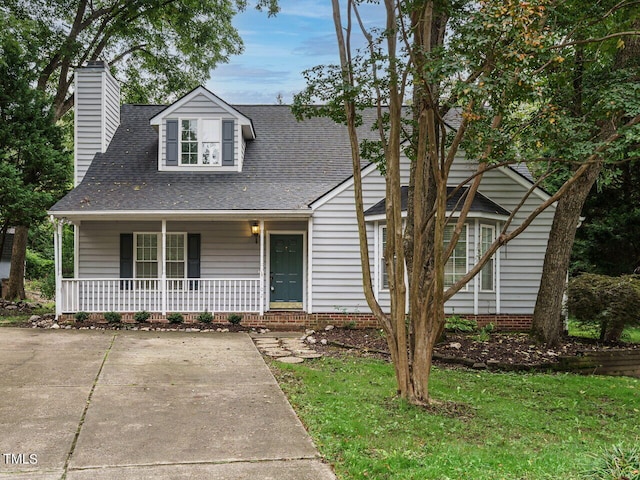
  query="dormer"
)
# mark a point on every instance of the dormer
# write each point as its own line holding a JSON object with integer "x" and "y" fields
{"x": 201, "y": 132}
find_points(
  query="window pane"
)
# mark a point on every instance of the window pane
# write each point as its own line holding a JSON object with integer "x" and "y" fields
{"x": 487, "y": 234}
{"x": 383, "y": 266}
{"x": 210, "y": 153}
{"x": 456, "y": 266}
{"x": 175, "y": 270}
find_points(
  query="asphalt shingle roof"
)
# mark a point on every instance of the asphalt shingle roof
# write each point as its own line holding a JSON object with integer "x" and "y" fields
{"x": 289, "y": 165}
{"x": 454, "y": 203}
{"x": 286, "y": 167}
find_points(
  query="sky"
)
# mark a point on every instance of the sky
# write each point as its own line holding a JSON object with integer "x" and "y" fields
{"x": 277, "y": 50}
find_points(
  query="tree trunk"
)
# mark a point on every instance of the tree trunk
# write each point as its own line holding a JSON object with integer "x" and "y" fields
{"x": 15, "y": 289}
{"x": 547, "y": 316}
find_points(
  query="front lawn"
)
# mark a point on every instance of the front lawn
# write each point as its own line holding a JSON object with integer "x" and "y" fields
{"x": 490, "y": 426}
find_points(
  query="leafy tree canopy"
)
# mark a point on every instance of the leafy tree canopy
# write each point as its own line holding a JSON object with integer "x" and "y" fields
{"x": 159, "y": 48}
{"x": 34, "y": 166}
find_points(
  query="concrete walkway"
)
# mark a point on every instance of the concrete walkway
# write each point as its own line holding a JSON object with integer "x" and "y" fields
{"x": 98, "y": 405}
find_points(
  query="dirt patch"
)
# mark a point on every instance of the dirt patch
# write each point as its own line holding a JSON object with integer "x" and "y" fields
{"x": 500, "y": 350}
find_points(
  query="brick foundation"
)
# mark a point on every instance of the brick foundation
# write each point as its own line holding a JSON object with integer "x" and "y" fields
{"x": 287, "y": 320}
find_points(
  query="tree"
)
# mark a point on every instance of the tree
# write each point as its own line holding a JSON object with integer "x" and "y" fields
{"x": 485, "y": 60}
{"x": 608, "y": 241}
{"x": 602, "y": 95}
{"x": 158, "y": 48}
{"x": 34, "y": 167}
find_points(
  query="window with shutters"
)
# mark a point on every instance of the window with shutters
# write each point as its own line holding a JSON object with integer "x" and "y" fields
{"x": 200, "y": 142}
{"x": 147, "y": 255}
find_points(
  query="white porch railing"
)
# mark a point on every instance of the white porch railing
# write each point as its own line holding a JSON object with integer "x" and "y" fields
{"x": 180, "y": 295}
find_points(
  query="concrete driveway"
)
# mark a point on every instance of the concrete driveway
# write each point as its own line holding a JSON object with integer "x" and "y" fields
{"x": 136, "y": 405}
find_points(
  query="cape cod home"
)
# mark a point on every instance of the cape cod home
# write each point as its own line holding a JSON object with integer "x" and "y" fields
{"x": 205, "y": 206}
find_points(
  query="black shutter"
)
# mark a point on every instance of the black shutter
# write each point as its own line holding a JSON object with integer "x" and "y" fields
{"x": 228, "y": 130}
{"x": 126, "y": 260}
{"x": 193, "y": 258}
{"x": 172, "y": 142}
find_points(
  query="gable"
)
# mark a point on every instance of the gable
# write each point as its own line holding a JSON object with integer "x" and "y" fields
{"x": 201, "y": 132}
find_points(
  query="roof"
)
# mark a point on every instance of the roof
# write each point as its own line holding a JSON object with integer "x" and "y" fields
{"x": 480, "y": 204}
{"x": 286, "y": 167}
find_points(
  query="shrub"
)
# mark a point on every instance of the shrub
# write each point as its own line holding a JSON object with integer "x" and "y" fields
{"x": 617, "y": 462}
{"x": 611, "y": 303}
{"x": 142, "y": 316}
{"x": 234, "y": 319}
{"x": 48, "y": 286}
{"x": 458, "y": 324}
{"x": 205, "y": 317}
{"x": 112, "y": 317}
{"x": 37, "y": 266}
{"x": 81, "y": 316}
{"x": 350, "y": 325}
{"x": 175, "y": 318}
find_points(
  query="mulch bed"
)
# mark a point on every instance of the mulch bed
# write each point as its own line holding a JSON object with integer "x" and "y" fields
{"x": 502, "y": 350}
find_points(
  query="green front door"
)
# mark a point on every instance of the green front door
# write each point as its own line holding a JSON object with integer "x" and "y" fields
{"x": 286, "y": 271}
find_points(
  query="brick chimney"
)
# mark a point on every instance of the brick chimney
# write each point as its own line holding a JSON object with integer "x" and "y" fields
{"x": 97, "y": 114}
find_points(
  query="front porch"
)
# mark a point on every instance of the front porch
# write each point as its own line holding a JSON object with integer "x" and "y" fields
{"x": 219, "y": 265}
{"x": 162, "y": 296}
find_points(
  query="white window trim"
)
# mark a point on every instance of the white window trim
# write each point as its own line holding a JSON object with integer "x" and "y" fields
{"x": 159, "y": 255}
{"x": 466, "y": 229}
{"x": 492, "y": 260}
{"x": 199, "y": 140}
{"x": 380, "y": 260}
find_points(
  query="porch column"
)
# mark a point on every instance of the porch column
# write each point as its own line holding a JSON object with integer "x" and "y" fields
{"x": 76, "y": 249}
{"x": 163, "y": 268}
{"x": 476, "y": 255}
{"x": 261, "y": 267}
{"x": 57, "y": 263}
{"x": 310, "y": 265}
{"x": 497, "y": 273}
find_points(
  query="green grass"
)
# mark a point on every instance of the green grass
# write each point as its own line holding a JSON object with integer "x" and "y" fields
{"x": 630, "y": 334}
{"x": 491, "y": 425}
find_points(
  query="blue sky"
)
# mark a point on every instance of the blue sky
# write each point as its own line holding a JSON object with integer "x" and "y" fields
{"x": 277, "y": 50}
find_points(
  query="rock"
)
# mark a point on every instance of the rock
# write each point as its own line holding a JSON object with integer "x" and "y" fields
{"x": 455, "y": 345}
{"x": 479, "y": 366}
{"x": 145, "y": 329}
{"x": 324, "y": 341}
{"x": 224, "y": 330}
{"x": 68, "y": 327}
{"x": 309, "y": 332}
{"x": 290, "y": 360}
{"x": 329, "y": 327}
{"x": 35, "y": 318}
{"x": 55, "y": 326}
{"x": 311, "y": 340}
{"x": 309, "y": 355}
{"x": 11, "y": 307}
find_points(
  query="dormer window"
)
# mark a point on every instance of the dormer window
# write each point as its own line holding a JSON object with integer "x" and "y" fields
{"x": 201, "y": 133}
{"x": 200, "y": 142}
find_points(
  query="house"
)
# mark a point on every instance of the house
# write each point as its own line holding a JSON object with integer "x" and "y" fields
{"x": 201, "y": 205}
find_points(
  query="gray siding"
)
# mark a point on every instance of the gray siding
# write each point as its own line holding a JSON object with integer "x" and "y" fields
{"x": 228, "y": 249}
{"x": 337, "y": 277}
{"x": 97, "y": 115}
{"x": 200, "y": 107}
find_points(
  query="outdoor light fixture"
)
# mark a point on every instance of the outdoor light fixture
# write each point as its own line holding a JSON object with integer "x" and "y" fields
{"x": 255, "y": 230}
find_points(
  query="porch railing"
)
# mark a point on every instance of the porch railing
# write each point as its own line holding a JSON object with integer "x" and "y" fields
{"x": 178, "y": 295}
